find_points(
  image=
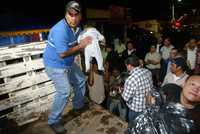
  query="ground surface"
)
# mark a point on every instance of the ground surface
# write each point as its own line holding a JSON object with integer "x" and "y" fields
{"x": 96, "y": 120}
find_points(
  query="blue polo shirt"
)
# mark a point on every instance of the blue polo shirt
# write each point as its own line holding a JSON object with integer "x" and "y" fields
{"x": 60, "y": 39}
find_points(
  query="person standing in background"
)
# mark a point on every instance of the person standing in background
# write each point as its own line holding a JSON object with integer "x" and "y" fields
{"x": 165, "y": 54}
{"x": 190, "y": 53}
{"x": 152, "y": 60}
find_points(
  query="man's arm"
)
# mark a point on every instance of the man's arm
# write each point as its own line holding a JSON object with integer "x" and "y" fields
{"x": 83, "y": 43}
{"x": 128, "y": 91}
{"x": 146, "y": 58}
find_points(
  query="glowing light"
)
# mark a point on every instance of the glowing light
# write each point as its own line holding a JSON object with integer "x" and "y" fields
{"x": 177, "y": 24}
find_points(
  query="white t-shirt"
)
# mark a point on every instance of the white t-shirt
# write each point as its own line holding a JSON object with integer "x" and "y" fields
{"x": 191, "y": 57}
{"x": 172, "y": 78}
{"x": 165, "y": 51}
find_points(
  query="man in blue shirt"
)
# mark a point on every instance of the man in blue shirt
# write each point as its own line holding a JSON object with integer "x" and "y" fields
{"x": 59, "y": 64}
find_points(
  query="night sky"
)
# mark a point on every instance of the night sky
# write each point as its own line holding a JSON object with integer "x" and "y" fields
{"x": 23, "y": 14}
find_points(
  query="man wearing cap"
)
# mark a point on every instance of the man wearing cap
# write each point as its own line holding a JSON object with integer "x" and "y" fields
{"x": 60, "y": 67}
{"x": 178, "y": 73}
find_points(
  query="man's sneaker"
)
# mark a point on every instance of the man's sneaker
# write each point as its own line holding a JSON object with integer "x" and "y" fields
{"x": 58, "y": 128}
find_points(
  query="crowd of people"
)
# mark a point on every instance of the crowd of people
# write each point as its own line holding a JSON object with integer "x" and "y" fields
{"x": 160, "y": 68}
{"x": 126, "y": 80}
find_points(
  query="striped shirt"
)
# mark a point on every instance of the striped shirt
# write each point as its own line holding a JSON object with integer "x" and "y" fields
{"x": 136, "y": 87}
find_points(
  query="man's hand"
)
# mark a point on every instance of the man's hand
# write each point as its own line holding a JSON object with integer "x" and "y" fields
{"x": 84, "y": 42}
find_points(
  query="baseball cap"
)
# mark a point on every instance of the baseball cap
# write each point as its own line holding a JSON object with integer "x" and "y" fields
{"x": 180, "y": 62}
{"x": 73, "y": 5}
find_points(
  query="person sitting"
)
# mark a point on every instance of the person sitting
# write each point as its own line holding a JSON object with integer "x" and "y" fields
{"x": 128, "y": 52}
{"x": 119, "y": 46}
{"x": 178, "y": 72}
{"x": 176, "y": 113}
{"x": 188, "y": 96}
{"x": 112, "y": 58}
{"x": 115, "y": 101}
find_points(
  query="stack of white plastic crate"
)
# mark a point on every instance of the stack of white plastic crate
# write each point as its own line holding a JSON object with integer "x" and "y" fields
{"x": 25, "y": 89}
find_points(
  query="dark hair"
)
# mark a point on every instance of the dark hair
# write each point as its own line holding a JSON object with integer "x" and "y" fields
{"x": 168, "y": 38}
{"x": 171, "y": 92}
{"x": 180, "y": 62}
{"x": 132, "y": 60}
{"x": 132, "y": 42}
{"x": 174, "y": 49}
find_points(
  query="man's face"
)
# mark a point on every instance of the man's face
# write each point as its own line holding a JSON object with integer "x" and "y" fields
{"x": 167, "y": 42}
{"x": 129, "y": 46}
{"x": 129, "y": 67}
{"x": 152, "y": 49}
{"x": 73, "y": 18}
{"x": 173, "y": 67}
{"x": 191, "y": 89}
{"x": 192, "y": 43}
{"x": 115, "y": 72}
{"x": 173, "y": 54}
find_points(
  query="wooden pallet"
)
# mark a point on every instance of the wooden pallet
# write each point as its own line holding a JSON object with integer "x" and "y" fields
{"x": 31, "y": 111}
{"x": 25, "y": 89}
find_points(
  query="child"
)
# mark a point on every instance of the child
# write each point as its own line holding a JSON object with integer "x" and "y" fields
{"x": 116, "y": 104}
{"x": 92, "y": 50}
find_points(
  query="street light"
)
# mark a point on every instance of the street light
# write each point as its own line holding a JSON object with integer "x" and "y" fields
{"x": 173, "y": 9}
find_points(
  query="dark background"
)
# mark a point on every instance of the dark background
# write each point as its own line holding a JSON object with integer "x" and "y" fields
{"x": 21, "y": 14}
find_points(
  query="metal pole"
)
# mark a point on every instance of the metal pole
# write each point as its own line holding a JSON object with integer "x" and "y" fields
{"x": 173, "y": 12}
